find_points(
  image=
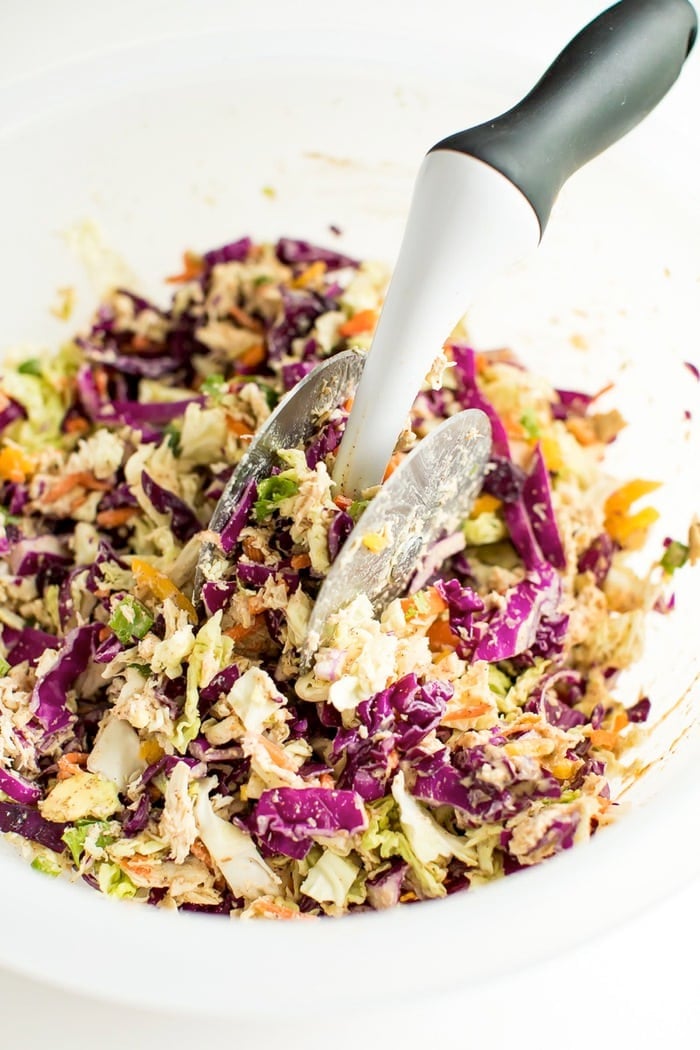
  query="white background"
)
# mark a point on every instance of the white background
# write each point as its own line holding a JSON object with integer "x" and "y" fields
{"x": 636, "y": 986}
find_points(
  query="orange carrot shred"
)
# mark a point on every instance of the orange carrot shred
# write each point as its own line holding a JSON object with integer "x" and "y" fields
{"x": 362, "y": 321}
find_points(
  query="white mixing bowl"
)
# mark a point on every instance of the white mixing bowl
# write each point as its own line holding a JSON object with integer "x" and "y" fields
{"x": 178, "y": 144}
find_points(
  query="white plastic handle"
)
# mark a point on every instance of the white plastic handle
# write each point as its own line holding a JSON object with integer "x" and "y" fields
{"x": 466, "y": 223}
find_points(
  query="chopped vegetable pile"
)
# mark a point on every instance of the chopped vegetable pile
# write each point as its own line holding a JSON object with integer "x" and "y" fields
{"x": 178, "y": 756}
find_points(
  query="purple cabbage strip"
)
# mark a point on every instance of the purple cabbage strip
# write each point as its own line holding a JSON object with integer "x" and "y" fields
{"x": 571, "y": 403}
{"x": 216, "y": 596}
{"x": 299, "y": 311}
{"x": 22, "y": 820}
{"x": 290, "y": 250}
{"x": 287, "y": 819}
{"x": 462, "y": 603}
{"x": 325, "y": 442}
{"x": 183, "y": 521}
{"x": 30, "y": 556}
{"x": 537, "y": 497}
{"x": 338, "y": 531}
{"x": 554, "y": 697}
{"x": 384, "y": 890}
{"x": 222, "y": 682}
{"x": 295, "y": 371}
{"x": 639, "y": 712}
{"x": 137, "y": 413}
{"x": 234, "y": 251}
{"x": 469, "y": 396}
{"x": 597, "y": 558}
{"x": 558, "y": 836}
{"x": 239, "y": 518}
{"x": 137, "y": 819}
{"x": 11, "y": 413}
{"x": 18, "y": 787}
{"x": 120, "y": 496}
{"x": 513, "y": 629}
{"x": 89, "y": 395}
{"x": 390, "y": 723}
{"x": 28, "y": 644}
{"x": 109, "y": 649}
{"x": 49, "y": 695}
{"x": 465, "y": 780}
{"x": 201, "y": 750}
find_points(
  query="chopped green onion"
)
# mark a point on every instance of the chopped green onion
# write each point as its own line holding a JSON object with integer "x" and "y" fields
{"x": 31, "y": 367}
{"x": 271, "y": 492}
{"x": 674, "y": 557}
{"x": 214, "y": 386}
{"x": 529, "y": 423}
{"x": 130, "y": 620}
{"x": 357, "y": 508}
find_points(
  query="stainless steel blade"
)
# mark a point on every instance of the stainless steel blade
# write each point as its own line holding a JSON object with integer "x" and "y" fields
{"x": 427, "y": 497}
{"x": 291, "y": 425}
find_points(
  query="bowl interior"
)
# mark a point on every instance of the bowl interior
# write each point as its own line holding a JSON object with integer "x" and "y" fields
{"x": 178, "y": 147}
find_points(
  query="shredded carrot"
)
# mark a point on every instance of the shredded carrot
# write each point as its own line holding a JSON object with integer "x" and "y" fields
{"x": 608, "y": 738}
{"x": 76, "y": 425}
{"x": 311, "y": 274}
{"x": 238, "y": 427}
{"x": 66, "y": 484}
{"x": 582, "y": 429}
{"x": 192, "y": 268}
{"x": 101, "y": 381}
{"x": 483, "y": 359}
{"x": 272, "y": 910}
{"x": 160, "y": 586}
{"x": 485, "y": 504}
{"x": 393, "y": 464}
{"x": 141, "y": 342}
{"x": 348, "y": 403}
{"x": 362, "y": 321}
{"x": 300, "y": 561}
{"x": 238, "y": 632}
{"x": 425, "y": 606}
{"x": 200, "y": 851}
{"x": 254, "y": 355}
{"x": 441, "y": 636}
{"x": 470, "y": 711}
{"x": 112, "y": 519}
{"x": 343, "y": 502}
{"x": 277, "y": 753}
{"x": 15, "y": 465}
{"x": 70, "y": 764}
{"x": 104, "y": 633}
{"x": 245, "y": 320}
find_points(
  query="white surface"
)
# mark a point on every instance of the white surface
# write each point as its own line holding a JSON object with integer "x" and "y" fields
{"x": 631, "y": 987}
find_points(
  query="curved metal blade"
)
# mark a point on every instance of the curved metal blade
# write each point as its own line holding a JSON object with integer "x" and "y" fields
{"x": 291, "y": 425}
{"x": 427, "y": 497}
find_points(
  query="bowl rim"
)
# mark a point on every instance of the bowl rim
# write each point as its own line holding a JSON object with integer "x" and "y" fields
{"x": 151, "y": 958}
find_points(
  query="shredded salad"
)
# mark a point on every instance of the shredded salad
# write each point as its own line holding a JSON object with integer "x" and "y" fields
{"x": 181, "y": 756}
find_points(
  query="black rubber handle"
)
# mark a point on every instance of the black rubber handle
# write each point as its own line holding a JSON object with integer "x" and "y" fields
{"x": 602, "y": 84}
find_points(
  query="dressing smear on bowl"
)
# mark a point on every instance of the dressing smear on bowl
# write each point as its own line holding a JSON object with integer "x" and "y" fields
{"x": 178, "y": 756}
